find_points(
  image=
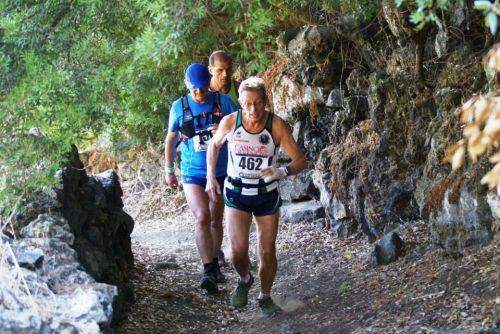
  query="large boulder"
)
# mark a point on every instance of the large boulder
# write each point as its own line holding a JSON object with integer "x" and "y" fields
{"x": 308, "y": 211}
{"x": 93, "y": 208}
{"x": 298, "y": 187}
{"x": 459, "y": 216}
{"x": 72, "y": 301}
{"x": 79, "y": 225}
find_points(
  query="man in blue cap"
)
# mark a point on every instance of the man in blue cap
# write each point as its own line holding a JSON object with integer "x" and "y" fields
{"x": 194, "y": 119}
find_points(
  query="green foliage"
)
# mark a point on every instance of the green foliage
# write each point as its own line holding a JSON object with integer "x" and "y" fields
{"x": 80, "y": 71}
{"x": 343, "y": 288}
{"x": 432, "y": 11}
{"x": 427, "y": 11}
{"x": 491, "y": 12}
{"x": 60, "y": 62}
{"x": 348, "y": 255}
{"x": 360, "y": 10}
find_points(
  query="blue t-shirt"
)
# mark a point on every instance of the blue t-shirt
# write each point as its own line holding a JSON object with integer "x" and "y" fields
{"x": 194, "y": 161}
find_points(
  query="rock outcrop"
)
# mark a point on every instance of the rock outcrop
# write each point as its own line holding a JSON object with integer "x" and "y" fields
{"x": 308, "y": 211}
{"x": 377, "y": 124}
{"x": 73, "y": 248}
{"x": 93, "y": 207}
{"x": 47, "y": 290}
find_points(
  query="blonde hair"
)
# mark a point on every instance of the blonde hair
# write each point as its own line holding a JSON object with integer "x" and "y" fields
{"x": 253, "y": 84}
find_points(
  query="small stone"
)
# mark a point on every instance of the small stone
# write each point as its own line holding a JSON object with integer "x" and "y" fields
{"x": 319, "y": 223}
{"x": 335, "y": 98}
{"x": 387, "y": 249}
{"x": 298, "y": 187}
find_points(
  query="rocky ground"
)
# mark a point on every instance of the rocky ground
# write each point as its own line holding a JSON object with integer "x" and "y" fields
{"x": 325, "y": 284}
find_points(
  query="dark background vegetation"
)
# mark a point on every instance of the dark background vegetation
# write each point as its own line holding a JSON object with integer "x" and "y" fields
{"x": 96, "y": 71}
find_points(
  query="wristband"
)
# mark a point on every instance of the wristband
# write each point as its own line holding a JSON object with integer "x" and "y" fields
{"x": 169, "y": 169}
{"x": 287, "y": 170}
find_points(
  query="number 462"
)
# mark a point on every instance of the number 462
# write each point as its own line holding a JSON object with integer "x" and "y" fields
{"x": 250, "y": 163}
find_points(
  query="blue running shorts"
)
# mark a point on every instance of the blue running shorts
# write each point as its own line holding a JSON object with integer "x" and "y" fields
{"x": 201, "y": 181}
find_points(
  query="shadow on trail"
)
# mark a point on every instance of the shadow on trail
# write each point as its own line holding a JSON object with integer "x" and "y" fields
{"x": 325, "y": 285}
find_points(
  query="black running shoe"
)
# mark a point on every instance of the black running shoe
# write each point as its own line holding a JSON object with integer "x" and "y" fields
{"x": 208, "y": 282}
{"x": 219, "y": 276}
{"x": 222, "y": 259}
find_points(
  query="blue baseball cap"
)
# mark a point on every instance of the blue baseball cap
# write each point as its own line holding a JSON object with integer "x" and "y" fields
{"x": 197, "y": 76}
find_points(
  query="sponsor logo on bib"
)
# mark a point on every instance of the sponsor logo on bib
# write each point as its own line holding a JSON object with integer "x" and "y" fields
{"x": 264, "y": 139}
{"x": 249, "y": 175}
{"x": 250, "y": 150}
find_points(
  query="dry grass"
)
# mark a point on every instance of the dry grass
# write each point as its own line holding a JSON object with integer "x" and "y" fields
{"x": 153, "y": 202}
{"x": 146, "y": 195}
{"x": 11, "y": 276}
{"x": 97, "y": 160}
{"x": 359, "y": 142}
{"x": 145, "y": 192}
{"x": 269, "y": 77}
{"x": 438, "y": 190}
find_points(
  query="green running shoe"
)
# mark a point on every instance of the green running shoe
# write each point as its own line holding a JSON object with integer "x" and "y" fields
{"x": 239, "y": 296}
{"x": 268, "y": 307}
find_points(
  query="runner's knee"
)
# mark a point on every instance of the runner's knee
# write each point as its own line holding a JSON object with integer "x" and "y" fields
{"x": 202, "y": 219}
{"x": 238, "y": 249}
{"x": 268, "y": 255}
{"x": 217, "y": 224}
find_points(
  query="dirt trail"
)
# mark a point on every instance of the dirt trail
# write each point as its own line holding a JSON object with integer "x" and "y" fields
{"x": 325, "y": 284}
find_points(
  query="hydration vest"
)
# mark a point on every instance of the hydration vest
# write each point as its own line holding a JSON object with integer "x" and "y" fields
{"x": 188, "y": 119}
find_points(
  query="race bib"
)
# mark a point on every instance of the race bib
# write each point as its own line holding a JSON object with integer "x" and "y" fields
{"x": 200, "y": 142}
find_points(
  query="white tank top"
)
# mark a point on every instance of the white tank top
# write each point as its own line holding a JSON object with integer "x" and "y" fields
{"x": 249, "y": 153}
